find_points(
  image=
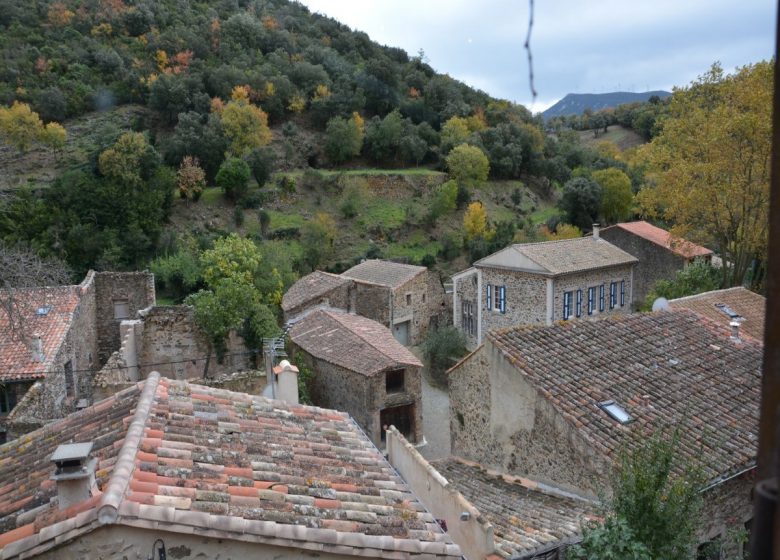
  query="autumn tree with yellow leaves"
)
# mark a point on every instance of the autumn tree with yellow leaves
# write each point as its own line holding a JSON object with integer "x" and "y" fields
{"x": 708, "y": 169}
{"x": 245, "y": 124}
{"x": 21, "y": 127}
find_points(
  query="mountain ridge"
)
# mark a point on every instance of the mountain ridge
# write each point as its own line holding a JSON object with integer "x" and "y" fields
{"x": 577, "y": 103}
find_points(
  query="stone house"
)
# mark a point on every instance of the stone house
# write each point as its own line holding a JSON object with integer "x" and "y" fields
{"x": 199, "y": 472}
{"x": 360, "y": 368}
{"x": 557, "y": 403}
{"x": 660, "y": 254}
{"x": 541, "y": 283}
{"x": 54, "y": 340}
{"x": 406, "y": 299}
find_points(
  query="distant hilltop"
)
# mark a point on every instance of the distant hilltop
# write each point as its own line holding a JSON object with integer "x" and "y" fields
{"x": 576, "y": 103}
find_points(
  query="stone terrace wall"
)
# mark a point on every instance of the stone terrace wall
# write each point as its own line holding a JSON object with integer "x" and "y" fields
{"x": 135, "y": 287}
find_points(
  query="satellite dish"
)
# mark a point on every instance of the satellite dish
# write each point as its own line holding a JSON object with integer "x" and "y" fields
{"x": 661, "y": 304}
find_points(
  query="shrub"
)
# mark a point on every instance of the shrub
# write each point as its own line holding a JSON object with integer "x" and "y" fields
{"x": 442, "y": 349}
{"x": 233, "y": 178}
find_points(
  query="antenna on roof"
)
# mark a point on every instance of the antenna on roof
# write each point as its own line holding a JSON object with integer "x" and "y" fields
{"x": 661, "y": 304}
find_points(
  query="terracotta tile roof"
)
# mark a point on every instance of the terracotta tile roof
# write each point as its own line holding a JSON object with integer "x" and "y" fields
{"x": 16, "y": 359}
{"x": 384, "y": 273}
{"x": 311, "y": 287}
{"x": 665, "y": 239}
{"x": 228, "y": 465}
{"x": 749, "y": 305}
{"x": 351, "y": 341}
{"x": 527, "y": 517}
{"x": 558, "y": 257}
{"x": 662, "y": 368}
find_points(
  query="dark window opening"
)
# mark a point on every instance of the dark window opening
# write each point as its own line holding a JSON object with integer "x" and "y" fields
{"x": 5, "y": 401}
{"x": 408, "y": 299}
{"x": 402, "y": 417}
{"x": 3, "y": 437}
{"x": 394, "y": 381}
{"x": 70, "y": 388}
{"x": 709, "y": 550}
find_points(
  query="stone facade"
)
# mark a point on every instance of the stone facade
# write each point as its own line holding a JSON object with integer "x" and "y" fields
{"x": 655, "y": 262}
{"x": 339, "y": 297}
{"x": 364, "y": 397}
{"x": 119, "y": 295}
{"x": 533, "y": 299}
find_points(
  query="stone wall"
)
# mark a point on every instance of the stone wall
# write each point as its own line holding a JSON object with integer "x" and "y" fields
{"x": 499, "y": 420}
{"x": 595, "y": 278}
{"x": 474, "y": 536}
{"x": 172, "y": 344}
{"x": 362, "y": 397}
{"x": 337, "y": 298}
{"x": 417, "y": 311}
{"x": 137, "y": 288}
{"x": 373, "y": 301}
{"x": 727, "y": 507}
{"x": 655, "y": 262}
{"x": 465, "y": 290}
{"x": 526, "y": 299}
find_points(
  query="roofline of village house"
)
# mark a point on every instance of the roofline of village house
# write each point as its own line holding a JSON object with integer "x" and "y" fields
{"x": 549, "y": 274}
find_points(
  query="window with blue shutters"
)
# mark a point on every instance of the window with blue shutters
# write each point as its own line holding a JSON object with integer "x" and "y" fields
{"x": 489, "y": 298}
{"x": 591, "y": 300}
{"x": 622, "y": 293}
{"x": 501, "y": 294}
{"x": 612, "y": 295}
{"x": 566, "y": 305}
{"x": 578, "y": 309}
{"x": 602, "y": 291}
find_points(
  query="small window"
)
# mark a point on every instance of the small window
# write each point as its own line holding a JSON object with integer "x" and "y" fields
{"x": 578, "y": 310}
{"x": 612, "y": 295}
{"x": 622, "y": 293}
{"x": 616, "y": 411}
{"x": 489, "y": 296}
{"x": 423, "y": 298}
{"x": 501, "y": 293}
{"x": 5, "y": 402}
{"x": 408, "y": 299}
{"x": 591, "y": 300}
{"x": 394, "y": 381}
{"x": 121, "y": 309}
{"x": 728, "y": 311}
{"x": 497, "y": 298}
{"x": 602, "y": 291}
{"x": 43, "y": 310}
{"x": 566, "y": 305}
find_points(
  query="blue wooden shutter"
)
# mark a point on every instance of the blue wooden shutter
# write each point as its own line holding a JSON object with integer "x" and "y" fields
{"x": 601, "y": 297}
{"x": 489, "y": 298}
{"x": 579, "y": 303}
{"x": 622, "y": 293}
{"x": 591, "y": 300}
{"x": 502, "y": 298}
{"x": 566, "y": 305}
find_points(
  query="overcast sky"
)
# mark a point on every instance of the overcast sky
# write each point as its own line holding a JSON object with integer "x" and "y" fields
{"x": 578, "y": 46}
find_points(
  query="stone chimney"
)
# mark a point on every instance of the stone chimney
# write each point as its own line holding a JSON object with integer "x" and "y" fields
{"x": 287, "y": 382}
{"x": 74, "y": 473}
{"x": 36, "y": 347}
{"x": 596, "y": 232}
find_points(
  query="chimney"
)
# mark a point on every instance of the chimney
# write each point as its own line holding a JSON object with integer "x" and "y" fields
{"x": 74, "y": 473}
{"x": 287, "y": 384}
{"x": 735, "y": 331}
{"x": 596, "y": 232}
{"x": 36, "y": 346}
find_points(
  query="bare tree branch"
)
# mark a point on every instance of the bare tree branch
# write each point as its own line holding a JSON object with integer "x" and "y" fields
{"x": 528, "y": 48}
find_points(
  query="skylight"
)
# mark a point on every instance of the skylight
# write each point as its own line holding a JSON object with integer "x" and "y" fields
{"x": 616, "y": 411}
{"x": 728, "y": 311}
{"x": 43, "y": 310}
